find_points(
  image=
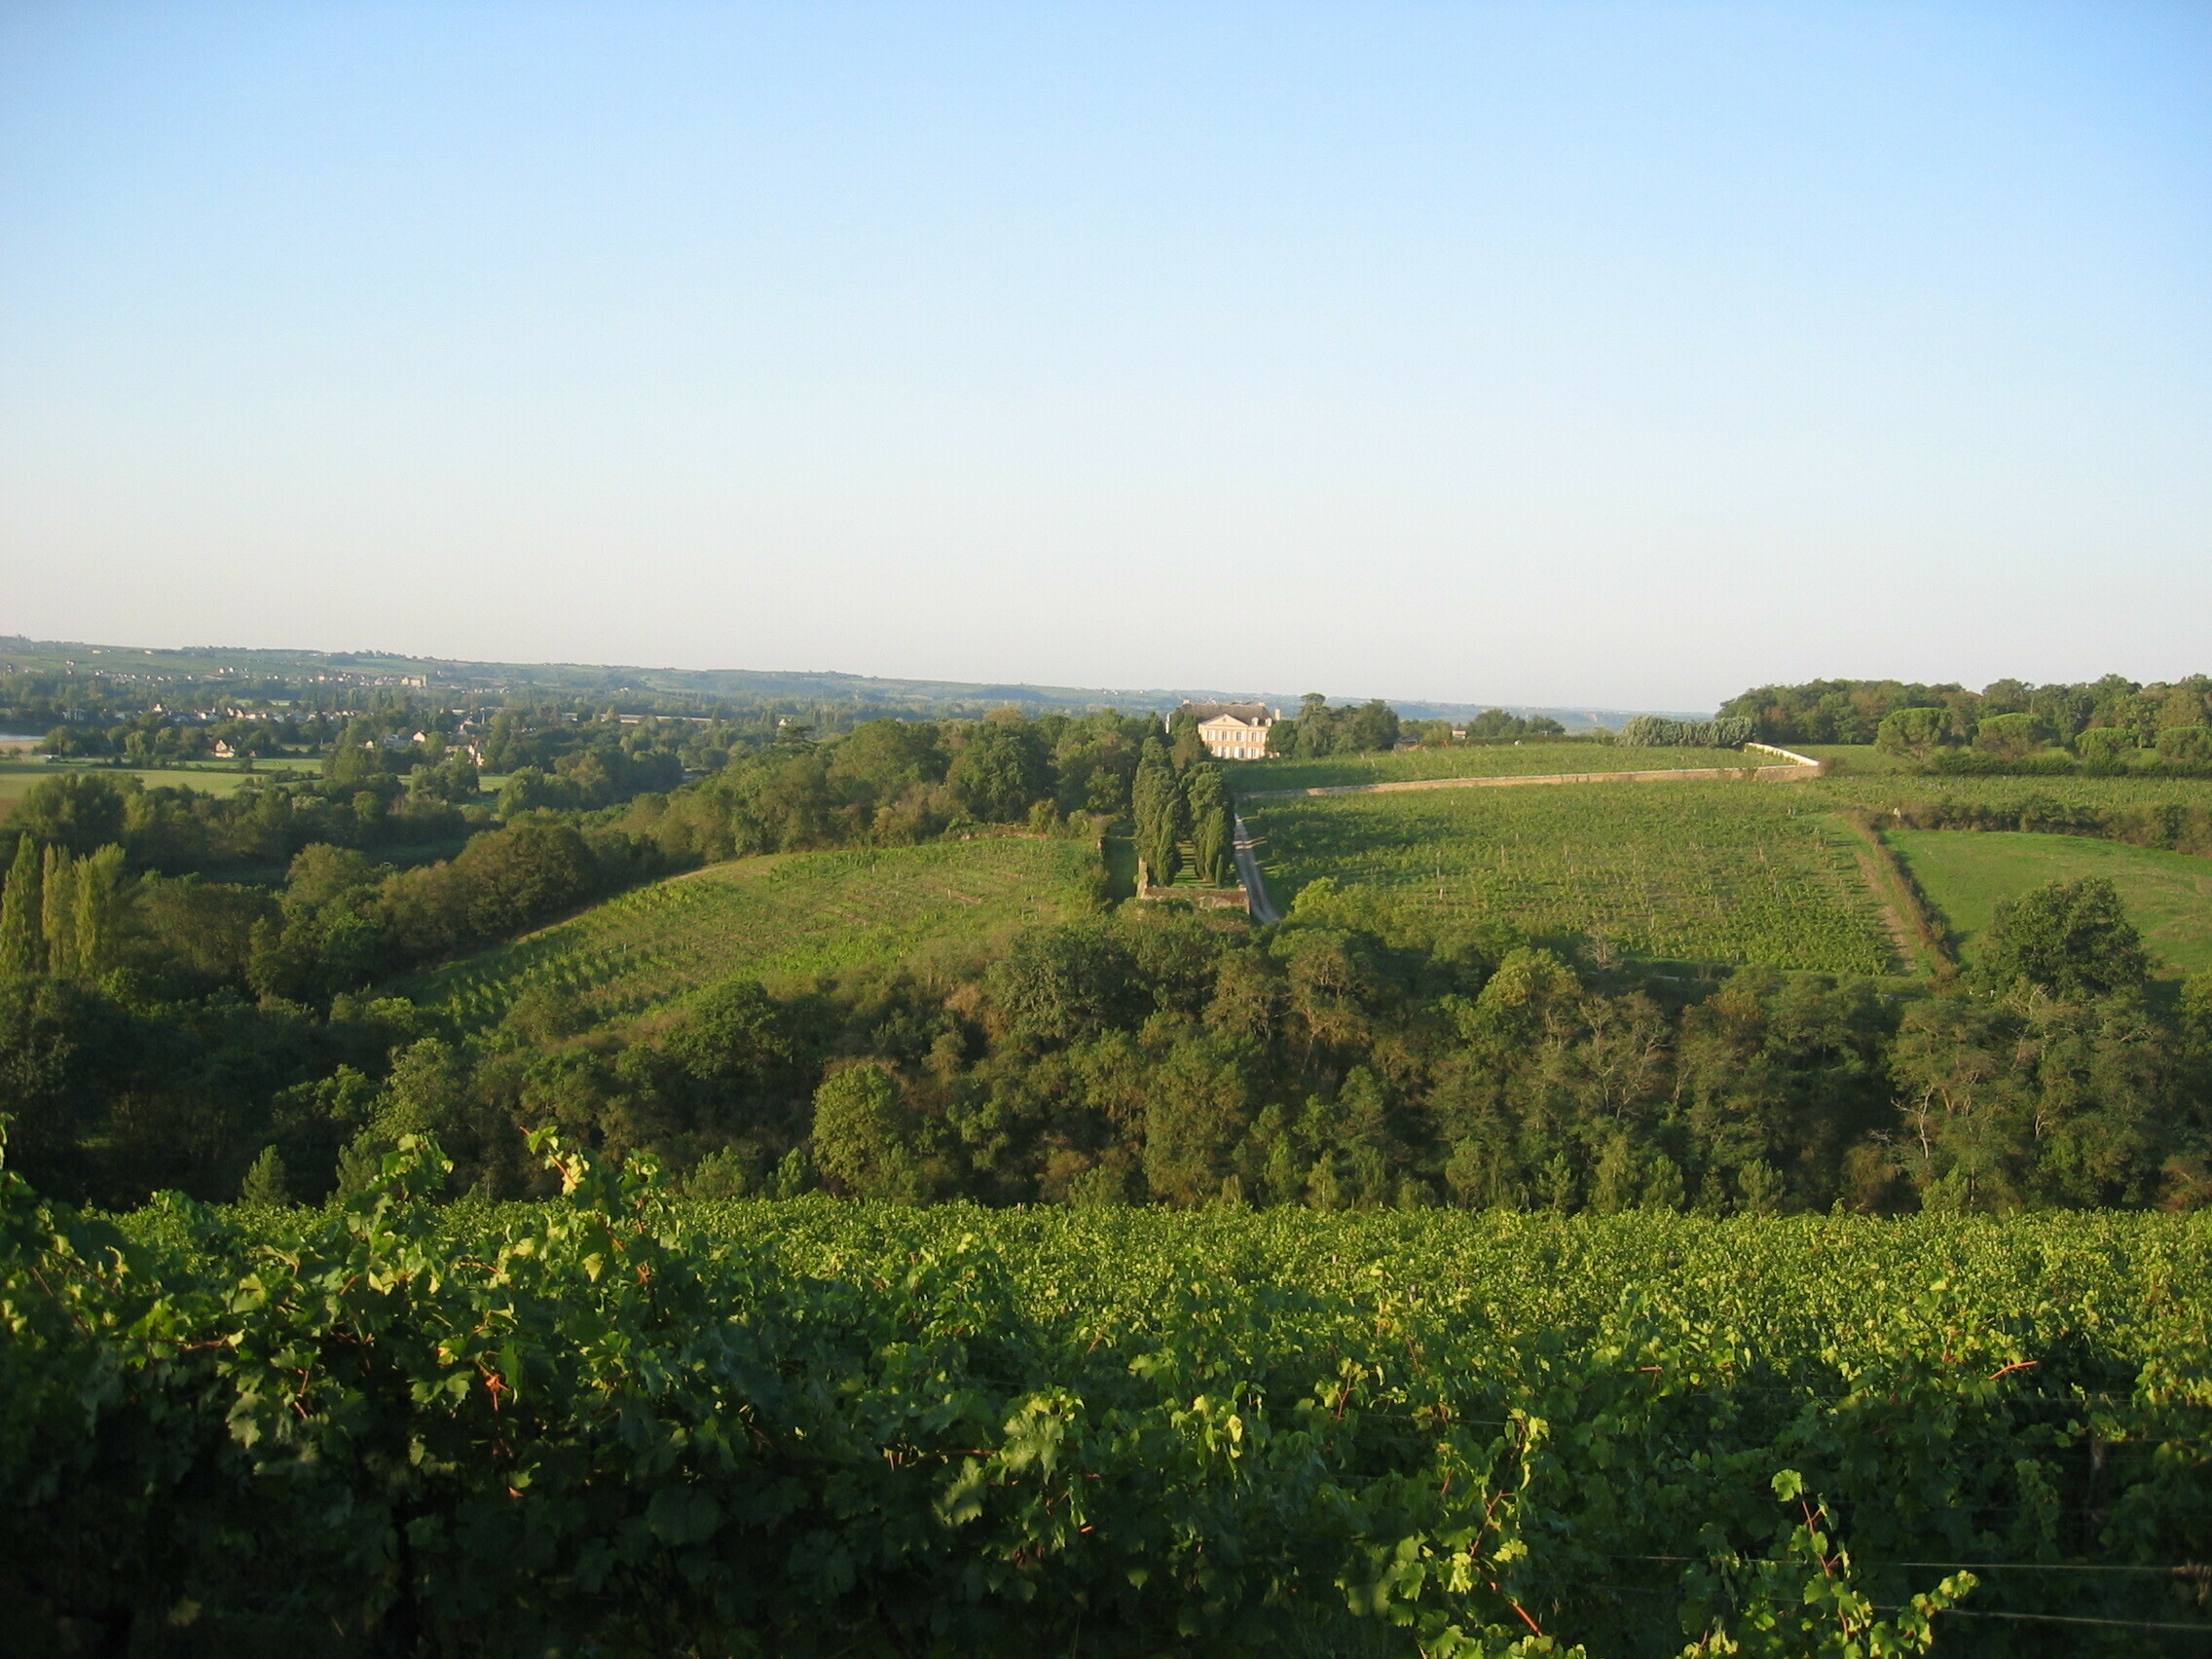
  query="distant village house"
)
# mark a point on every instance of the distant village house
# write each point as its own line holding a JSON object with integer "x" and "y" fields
{"x": 1233, "y": 731}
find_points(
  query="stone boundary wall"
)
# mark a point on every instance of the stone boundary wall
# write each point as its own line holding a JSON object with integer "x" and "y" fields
{"x": 1204, "y": 898}
{"x": 1820, "y": 767}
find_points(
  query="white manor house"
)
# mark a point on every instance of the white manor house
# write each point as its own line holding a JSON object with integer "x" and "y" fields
{"x": 1233, "y": 731}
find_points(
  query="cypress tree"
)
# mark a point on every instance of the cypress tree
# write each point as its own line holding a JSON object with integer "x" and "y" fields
{"x": 1158, "y": 804}
{"x": 20, "y": 911}
{"x": 1145, "y": 809}
{"x": 1178, "y": 821}
{"x": 1211, "y": 842}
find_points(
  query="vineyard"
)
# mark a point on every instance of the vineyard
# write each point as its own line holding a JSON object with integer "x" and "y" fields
{"x": 617, "y": 1423}
{"x": 1501, "y": 760}
{"x": 791, "y": 913}
{"x": 1687, "y": 873}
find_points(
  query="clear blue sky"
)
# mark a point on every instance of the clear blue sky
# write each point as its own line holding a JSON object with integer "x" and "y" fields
{"x": 1616, "y": 354}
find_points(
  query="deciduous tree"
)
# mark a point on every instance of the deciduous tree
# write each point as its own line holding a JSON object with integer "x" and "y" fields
{"x": 2072, "y": 938}
{"x": 861, "y": 1139}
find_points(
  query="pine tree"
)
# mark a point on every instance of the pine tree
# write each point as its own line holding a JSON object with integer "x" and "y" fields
{"x": 21, "y": 944}
{"x": 266, "y": 1182}
{"x": 59, "y": 911}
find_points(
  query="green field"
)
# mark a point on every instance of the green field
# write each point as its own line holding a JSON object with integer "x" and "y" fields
{"x": 1966, "y": 874}
{"x": 1713, "y": 872}
{"x": 1503, "y": 761}
{"x": 18, "y": 777}
{"x": 793, "y": 913}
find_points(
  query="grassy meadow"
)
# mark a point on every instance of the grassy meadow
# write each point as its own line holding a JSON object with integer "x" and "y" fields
{"x": 789, "y": 914}
{"x": 1965, "y": 876}
{"x": 1709, "y": 873}
{"x": 1502, "y": 760}
{"x": 18, "y": 776}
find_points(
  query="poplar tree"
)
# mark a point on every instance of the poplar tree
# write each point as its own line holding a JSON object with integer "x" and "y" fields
{"x": 21, "y": 912}
{"x": 99, "y": 911}
{"x": 59, "y": 911}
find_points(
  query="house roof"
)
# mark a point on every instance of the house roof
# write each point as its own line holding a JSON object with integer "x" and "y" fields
{"x": 1251, "y": 713}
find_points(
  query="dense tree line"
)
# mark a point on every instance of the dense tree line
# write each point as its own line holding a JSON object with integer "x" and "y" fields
{"x": 2113, "y": 721}
{"x": 1652, "y": 731}
{"x": 1493, "y": 725}
{"x": 262, "y": 827}
{"x": 1160, "y": 1058}
{"x": 895, "y": 783}
{"x": 1161, "y": 1055}
{"x": 1318, "y": 729}
{"x": 2171, "y": 825}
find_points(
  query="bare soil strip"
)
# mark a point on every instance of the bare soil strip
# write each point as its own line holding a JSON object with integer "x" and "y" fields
{"x": 1905, "y": 907}
{"x": 1909, "y": 954}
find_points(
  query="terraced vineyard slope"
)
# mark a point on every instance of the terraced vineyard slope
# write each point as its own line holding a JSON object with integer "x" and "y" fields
{"x": 791, "y": 913}
{"x": 1692, "y": 872}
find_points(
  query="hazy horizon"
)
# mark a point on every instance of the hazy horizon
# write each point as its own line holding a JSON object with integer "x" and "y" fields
{"x": 1337, "y": 694}
{"x": 1607, "y": 356}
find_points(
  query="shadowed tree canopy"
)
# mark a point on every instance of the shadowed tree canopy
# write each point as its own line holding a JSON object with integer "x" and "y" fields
{"x": 77, "y": 810}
